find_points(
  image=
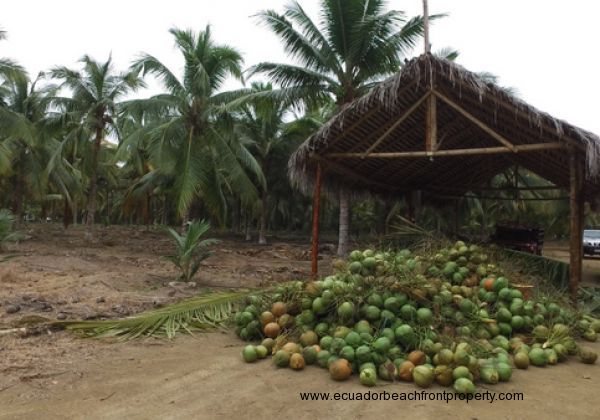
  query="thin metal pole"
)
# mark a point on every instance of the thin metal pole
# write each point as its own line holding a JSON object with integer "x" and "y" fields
{"x": 315, "y": 226}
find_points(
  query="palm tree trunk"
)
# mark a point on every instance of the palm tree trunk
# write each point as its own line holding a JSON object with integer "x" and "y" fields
{"x": 93, "y": 187}
{"x": 262, "y": 235}
{"x": 165, "y": 211}
{"x": 17, "y": 198}
{"x": 344, "y": 222}
{"x": 148, "y": 210}
{"x": 235, "y": 216}
{"x": 185, "y": 220}
{"x": 248, "y": 236}
{"x": 67, "y": 214}
{"x": 107, "y": 206}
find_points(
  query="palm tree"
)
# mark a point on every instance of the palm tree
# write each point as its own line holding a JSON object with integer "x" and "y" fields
{"x": 190, "y": 140}
{"x": 26, "y": 138}
{"x": 91, "y": 110}
{"x": 262, "y": 125}
{"x": 356, "y": 44}
{"x": 8, "y": 67}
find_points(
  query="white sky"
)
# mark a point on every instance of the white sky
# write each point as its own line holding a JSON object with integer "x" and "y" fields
{"x": 546, "y": 49}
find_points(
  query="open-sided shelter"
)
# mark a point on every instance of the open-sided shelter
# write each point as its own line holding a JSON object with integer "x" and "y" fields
{"x": 439, "y": 128}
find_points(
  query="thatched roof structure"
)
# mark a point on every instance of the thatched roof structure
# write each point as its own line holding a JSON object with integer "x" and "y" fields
{"x": 382, "y": 142}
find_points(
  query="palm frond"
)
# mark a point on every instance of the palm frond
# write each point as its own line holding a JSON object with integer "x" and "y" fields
{"x": 202, "y": 313}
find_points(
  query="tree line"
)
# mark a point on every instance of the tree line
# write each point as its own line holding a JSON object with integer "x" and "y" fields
{"x": 73, "y": 144}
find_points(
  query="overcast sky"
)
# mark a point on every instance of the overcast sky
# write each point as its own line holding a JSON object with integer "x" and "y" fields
{"x": 546, "y": 49}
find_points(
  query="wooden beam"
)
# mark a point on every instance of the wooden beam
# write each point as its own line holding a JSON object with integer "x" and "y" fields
{"x": 513, "y": 110}
{"x": 451, "y": 152}
{"x": 475, "y": 120}
{"x": 351, "y": 127}
{"x": 479, "y": 188}
{"x": 337, "y": 167}
{"x": 576, "y": 225}
{"x": 365, "y": 139}
{"x": 496, "y": 198}
{"x": 315, "y": 223}
{"x": 431, "y": 124}
{"x": 397, "y": 123}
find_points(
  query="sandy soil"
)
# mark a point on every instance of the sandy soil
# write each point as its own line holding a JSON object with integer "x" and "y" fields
{"x": 591, "y": 265}
{"x": 59, "y": 376}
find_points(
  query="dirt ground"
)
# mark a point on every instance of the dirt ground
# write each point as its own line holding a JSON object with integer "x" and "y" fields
{"x": 60, "y": 376}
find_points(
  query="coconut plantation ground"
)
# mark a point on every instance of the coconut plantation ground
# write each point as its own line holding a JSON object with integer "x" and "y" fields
{"x": 202, "y": 376}
{"x": 205, "y": 378}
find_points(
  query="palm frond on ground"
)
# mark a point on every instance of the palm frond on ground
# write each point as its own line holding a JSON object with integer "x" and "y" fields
{"x": 202, "y": 313}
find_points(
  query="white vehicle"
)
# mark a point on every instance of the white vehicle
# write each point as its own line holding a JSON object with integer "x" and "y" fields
{"x": 591, "y": 242}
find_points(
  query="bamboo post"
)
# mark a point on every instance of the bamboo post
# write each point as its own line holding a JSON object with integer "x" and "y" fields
{"x": 431, "y": 125}
{"x": 576, "y": 225}
{"x": 315, "y": 225}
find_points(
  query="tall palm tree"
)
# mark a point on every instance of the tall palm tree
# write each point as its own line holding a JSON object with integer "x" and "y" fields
{"x": 91, "y": 110}
{"x": 22, "y": 123}
{"x": 355, "y": 44}
{"x": 263, "y": 126}
{"x": 190, "y": 139}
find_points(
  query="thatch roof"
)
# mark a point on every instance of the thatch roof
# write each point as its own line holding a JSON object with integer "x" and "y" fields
{"x": 342, "y": 144}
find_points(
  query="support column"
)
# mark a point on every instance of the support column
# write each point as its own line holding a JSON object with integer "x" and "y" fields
{"x": 431, "y": 125}
{"x": 576, "y": 225}
{"x": 315, "y": 225}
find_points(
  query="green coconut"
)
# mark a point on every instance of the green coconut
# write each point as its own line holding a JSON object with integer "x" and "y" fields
{"x": 587, "y": 355}
{"x": 347, "y": 352}
{"x": 461, "y": 372}
{"x": 387, "y": 371}
{"x": 363, "y": 354}
{"x": 261, "y": 351}
{"x": 538, "y": 357}
{"x": 424, "y": 316}
{"x": 590, "y": 335}
{"x": 325, "y": 342}
{"x": 281, "y": 358}
{"x": 445, "y": 357}
{"x": 310, "y": 355}
{"x": 489, "y": 374}
{"x": 382, "y": 345}
{"x": 443, "y": 375}
{"x": 249, "y": 354}
{"x": 423, "y": 376}
{"x": 322, "y": 358}
{"x": 464, "y": 386}
{"x": 521, "y": 360}
{"x": 551, "y": 356}
{"x": 309, "y": 338}
{"x": 504, "y": 371}
{"x": 353, "y": 339}
{"x": 368, "y": 377}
